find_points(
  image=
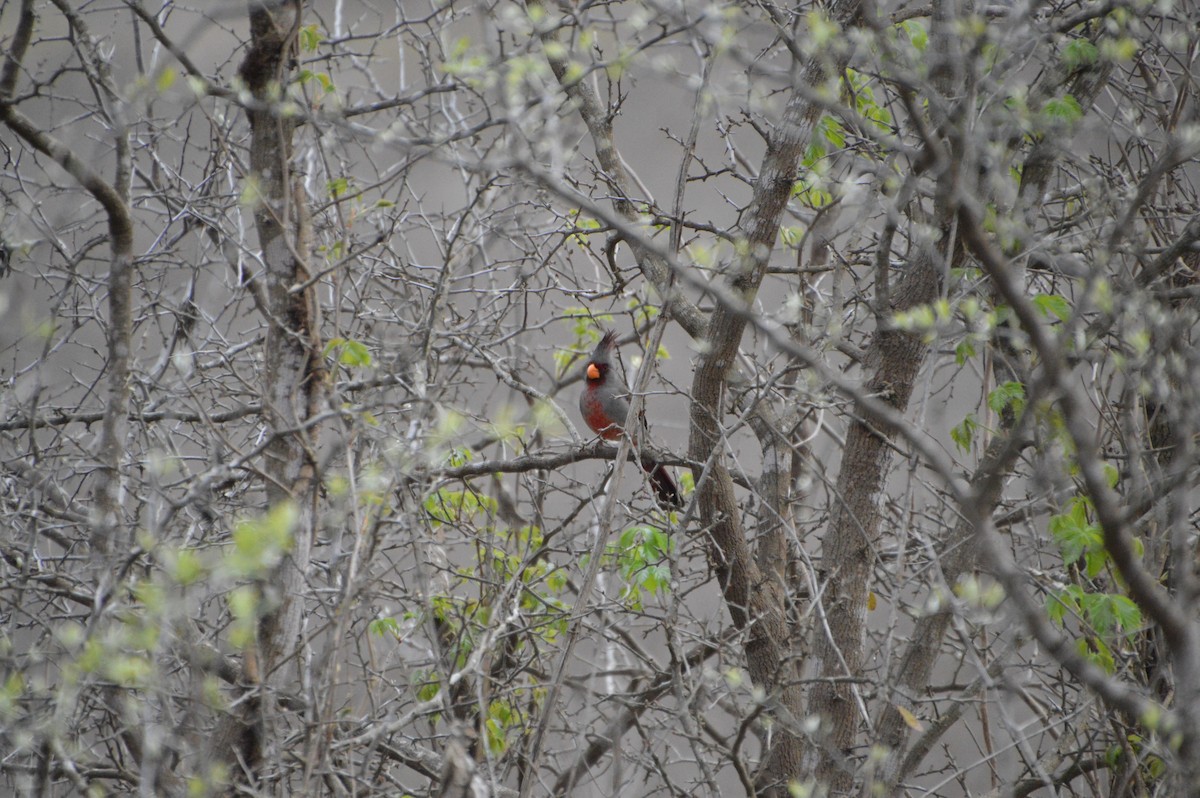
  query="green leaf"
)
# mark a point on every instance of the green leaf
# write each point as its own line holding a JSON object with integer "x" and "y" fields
{"x": 129, "y": 670}
{"x": 310, "y": 37}
{"x": 1052, "y": 305}
{"x": 449, "y": 506}
{"x": 1008, "y": 395}
{"x": 384, "y": 627}
{"x": 1066, "y": 108}
{"x": 865, "y": 103}
{"x": 808, "y": 191}
{"x": 187, "y": 567}
{"x": 1099, "y": 613}
{"x": 832, "y": 130}
{"x": 260, "y": 544}
{"x": 10, "y": 696}
{"x": 916, "y": 34}
{"x": 351, "y": 353}
{"x": 581, "y": 224}
{"x": 337, "y": 187}
{"x": 166, "y": 79}
{"x": 1080, "y": 52}
{"x": 1098, "y": 653}
{"x": 1119, "y": 49}
{"x": 964, "y": 351}
{"x": 427, "y": 685}
{"x": 639, "y": 553}
{"x": 244, "y": 603}
{"x": 964, "y": 433}
{"x": 822, "y": 30}
{"x": 1125, "y": 614}
{"x": 1072, "y": 532}
{"x": 1062, "y": 602}
{"x": 251, "y": 196}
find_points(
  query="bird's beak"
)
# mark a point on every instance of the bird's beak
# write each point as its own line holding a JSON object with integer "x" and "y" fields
{"x": 593, "y": 371}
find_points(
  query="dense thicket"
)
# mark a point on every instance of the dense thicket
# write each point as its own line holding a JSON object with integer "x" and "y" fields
{"x": 296, "y": 300}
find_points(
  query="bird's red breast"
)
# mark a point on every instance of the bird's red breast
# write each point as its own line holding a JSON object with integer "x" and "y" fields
{"x": 598, "y": 415}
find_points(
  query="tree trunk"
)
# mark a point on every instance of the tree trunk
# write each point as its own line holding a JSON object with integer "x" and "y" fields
{"x": 756, "y": 600}
{"x": 293, "y": 378}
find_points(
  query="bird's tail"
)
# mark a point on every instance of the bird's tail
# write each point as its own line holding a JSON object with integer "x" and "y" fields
{"x": 664, "y": 486}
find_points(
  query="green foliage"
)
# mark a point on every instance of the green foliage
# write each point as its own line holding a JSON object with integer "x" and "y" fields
{"x": 963, "y": 434}
{"x": 426, "y": 684}
{"x": 186, "y": 567}
{"x": 581, "y": 227}
{"x": 1118, "y": 49}
{"x": 822, "y": 30}
{"x": 833, "y": 132}
{"x": 445, "y": 436}
{"x": 502, "y": 719}
{"x": 306, "y": 76}
{"x": 464, "y": 624}
{"x": 641, "y": 556}
{"x": 350, "y": 353}
{"x": 1065, "y": 108}
{"x": 260, "y": 544}
{"x": 211, "y": 782}
{"x": 506, "y": 427}
{"x": 791, "y": 236}
{"x": 385, "y": 627}
{"x": 1080, "y": 53}
{"x": 916, "y": 34}
{"x": 310, "y": 37}
{"x": 928, "y": 319}
{"x": 337, "y": 187}
{"x": 981, "y": 593}
{"x": 166, "y": 79}
{"x": 1107, "y": 616}
{"x": 10, "y": 697}
{"x": 809, "y": 190}
{"x": 251, "y": 196}
{"x": 449, "y": 506}
{"x": 865, "y": 103}
{"x": 964, "y": 350}
{"x": 1052, "y": 305}
{"x": 1077, "y": 536}
{"x": 473, "y": 67}
{"x": 1008, "y": 397}
{"x": 245, "y": 605}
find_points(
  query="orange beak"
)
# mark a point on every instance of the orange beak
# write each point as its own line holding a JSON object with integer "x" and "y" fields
{"x": 593, "y": 371}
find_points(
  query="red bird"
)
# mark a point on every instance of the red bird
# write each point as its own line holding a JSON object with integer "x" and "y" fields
{"x": 604, "y": 404}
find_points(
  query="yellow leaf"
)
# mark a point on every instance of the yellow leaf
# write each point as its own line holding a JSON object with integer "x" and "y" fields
{"x": 913, "y": 722}
{"x": 871, "y": 602}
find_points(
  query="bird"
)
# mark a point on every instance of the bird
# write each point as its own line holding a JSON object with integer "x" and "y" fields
{"x": 604, "y": 405}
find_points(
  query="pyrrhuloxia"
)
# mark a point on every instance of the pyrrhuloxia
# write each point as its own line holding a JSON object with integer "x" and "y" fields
{"x": 604, "y": 404}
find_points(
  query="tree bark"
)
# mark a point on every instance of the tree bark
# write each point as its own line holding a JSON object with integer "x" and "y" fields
{"x": 293, "y": 379}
